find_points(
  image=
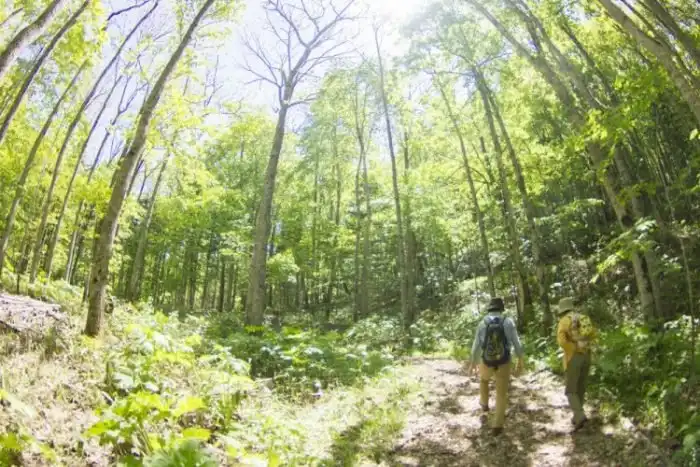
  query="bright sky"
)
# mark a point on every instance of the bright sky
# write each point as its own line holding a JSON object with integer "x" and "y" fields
{"x": 390, "y": 13}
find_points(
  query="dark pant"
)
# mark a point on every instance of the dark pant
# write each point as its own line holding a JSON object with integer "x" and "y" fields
{"x": 576, "y": 378}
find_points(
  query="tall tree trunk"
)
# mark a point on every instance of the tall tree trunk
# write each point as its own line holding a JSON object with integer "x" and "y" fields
{"x": 366, "y": 240}
{"x": 69, "y": 133}
{"x": 524, "y": 302}
{"x": 207, "y": 263}
{"x": 133, "y": 290}
{"x": 400, "y": 239}
{"x": 19, "y": 97}
{"x": 106, "y": 229}
{"x": 27, "y": 35}
{"x": 336, "y": 221}
{"x": 358, "y": 236}
{"x": 255, "y": 303}
{"x": 222, "y": 284}
{"x": 410, "y": 239}
{"x": 231, "y": 286}
{"x": 472, "y": 189}
{"x": 120, "y": 111}
{"x": 78, "y": 163}
{"x": 530, "y": 214}
{"x": 10, "y": 219}
{"x": 595, "y": 152}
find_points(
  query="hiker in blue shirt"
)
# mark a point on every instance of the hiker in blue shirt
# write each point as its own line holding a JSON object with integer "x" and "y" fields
{"x": 494, "y": 338}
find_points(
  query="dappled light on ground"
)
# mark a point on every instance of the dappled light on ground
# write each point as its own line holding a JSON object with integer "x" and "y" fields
{"x": 447, "y": 428}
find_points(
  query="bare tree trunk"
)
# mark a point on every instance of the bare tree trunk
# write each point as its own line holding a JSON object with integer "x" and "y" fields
{"x": 358, "y": 235}
{"x": 27, "y": 35}
{"x": 133, "y": 290}
{"x": 120, "y": 111}
{"x": 595, "y": 151}
{"x": 207, "y": 263}
{"x": 366, "y": 240}
{"x": 332, "y": 286}
{"x": 255, "y": 306}
{"x": 19, "y": 97}
{"x": 106, "y": 228}
{"x": 530, "y": 214}
{"x": 10, "y": 220}
{"x": 524, "y": 303}
{"x": 222, "y": 284}
{"x": 400, "y": 239}
{"x": 231, "y": 286}
{"x": 78, "y": 163}
{"x": 472, "y": 189}
{"x": 69, "y": 133}
{"x": 410, "y": 240}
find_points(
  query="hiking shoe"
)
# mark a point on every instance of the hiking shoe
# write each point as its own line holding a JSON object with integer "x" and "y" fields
{"x": 484, "y": 408}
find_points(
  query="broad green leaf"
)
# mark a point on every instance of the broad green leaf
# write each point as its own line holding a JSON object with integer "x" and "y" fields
{"x": 189, "y": 404}
{"x": 197, "y": 433}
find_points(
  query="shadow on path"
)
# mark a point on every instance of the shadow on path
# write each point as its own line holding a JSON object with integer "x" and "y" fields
{"x": 450, "y": 430}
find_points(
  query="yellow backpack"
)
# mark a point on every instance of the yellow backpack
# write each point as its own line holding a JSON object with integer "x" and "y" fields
{"x": 581, "y": 330}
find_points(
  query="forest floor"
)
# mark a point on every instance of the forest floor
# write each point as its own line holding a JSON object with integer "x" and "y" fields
{"x": 445, "y": 426}
{"x": 424, "y": 412}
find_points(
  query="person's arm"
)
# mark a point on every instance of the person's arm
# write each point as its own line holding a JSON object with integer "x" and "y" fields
{"x": 514, "y": 339}
{"x": 478, "y": 339}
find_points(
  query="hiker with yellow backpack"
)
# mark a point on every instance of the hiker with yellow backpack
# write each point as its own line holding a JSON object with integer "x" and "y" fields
{"x": 575, "y": 334}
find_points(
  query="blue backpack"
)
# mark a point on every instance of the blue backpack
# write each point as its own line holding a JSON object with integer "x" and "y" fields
{"x": 495, "y": 348}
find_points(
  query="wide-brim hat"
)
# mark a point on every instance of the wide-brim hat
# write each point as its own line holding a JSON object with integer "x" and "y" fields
{"x": 496, "y": 304}
{"x": 565, "y": 305}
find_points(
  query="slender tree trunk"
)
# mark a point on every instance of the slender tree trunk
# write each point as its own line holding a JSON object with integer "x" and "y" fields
{"x": 366, "y": 240}
{"x": 400, "y": 239}
{"x": 19, "y": 97}
{"x": 530, "y": 214}
{"x": 332, "y": 286}
{"x": 222, "y": 284}
{"x": 596, "y": 153}
{"x": 133, "y": 290}
{"x": 410, "y": 241}
{"x": 255, "y": 303}
{"x": 207, "y": 263}
{"x": 524, "y": 303}
{"x": 358, "y": 236}
{"x": 21, "y": 182}
{"x": 472, "y": 190}
{"x": 120, "y": 111}
{"x": 78, "y": 163}
{"x": 106, "y": 228}
{"x": 27, "y": 35}
{"x": 69, "y": 133}
{"x": 231, "y": 286}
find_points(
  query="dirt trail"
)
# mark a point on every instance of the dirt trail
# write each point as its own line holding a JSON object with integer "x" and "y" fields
{"x": 447, "y": 427}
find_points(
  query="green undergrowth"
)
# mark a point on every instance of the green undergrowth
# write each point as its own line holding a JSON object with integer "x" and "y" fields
{"x": 160, "y": 390}
{"x": 645, "y": 376}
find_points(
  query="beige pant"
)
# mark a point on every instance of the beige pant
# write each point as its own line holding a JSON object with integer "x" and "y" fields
{"x": 502, "y": 377}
